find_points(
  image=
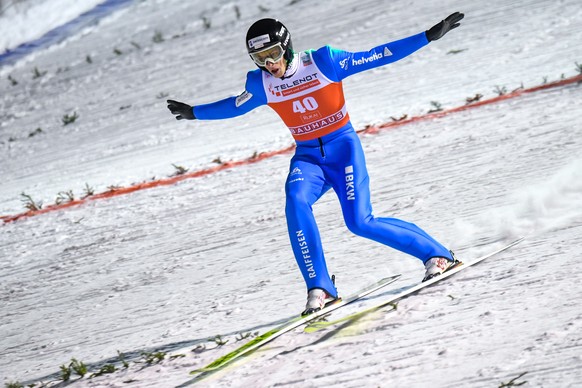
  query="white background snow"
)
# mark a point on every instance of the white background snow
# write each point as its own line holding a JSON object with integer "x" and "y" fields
{"x": 27, "y": 20}
{"x": 169, "y": 268}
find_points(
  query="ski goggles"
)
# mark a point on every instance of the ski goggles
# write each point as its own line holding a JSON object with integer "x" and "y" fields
{"x": 270, "y": 54}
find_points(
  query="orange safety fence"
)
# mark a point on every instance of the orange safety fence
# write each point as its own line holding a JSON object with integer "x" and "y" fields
{"x": 371, "y": 129}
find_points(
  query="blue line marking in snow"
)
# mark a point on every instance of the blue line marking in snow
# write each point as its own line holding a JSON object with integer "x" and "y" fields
{"x": 61, "y": 33}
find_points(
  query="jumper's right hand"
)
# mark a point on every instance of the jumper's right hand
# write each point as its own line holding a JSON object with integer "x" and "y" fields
{"x": 439, "y": 29}
{"x": 181, "y": 110}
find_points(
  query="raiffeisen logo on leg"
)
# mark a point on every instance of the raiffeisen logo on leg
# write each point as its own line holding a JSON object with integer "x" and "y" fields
{"x": 350, "y": 188}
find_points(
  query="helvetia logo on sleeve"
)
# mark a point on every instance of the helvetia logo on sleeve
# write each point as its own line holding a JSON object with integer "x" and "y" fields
{"x": 344, "y": 63}
{"x": 372, "y": 58}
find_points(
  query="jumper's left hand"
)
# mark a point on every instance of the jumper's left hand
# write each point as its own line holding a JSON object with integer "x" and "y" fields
{"x": 438, "y": 30}
{"x": 181, "y": 110}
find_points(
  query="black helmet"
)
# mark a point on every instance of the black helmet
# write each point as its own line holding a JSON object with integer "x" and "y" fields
{"x": 265, "y": 34}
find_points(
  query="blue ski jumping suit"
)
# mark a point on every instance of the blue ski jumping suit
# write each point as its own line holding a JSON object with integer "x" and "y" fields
{"x": 310, "y": 100}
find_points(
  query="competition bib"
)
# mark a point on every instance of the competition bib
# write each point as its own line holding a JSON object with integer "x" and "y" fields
{"x": 310, "y": 104}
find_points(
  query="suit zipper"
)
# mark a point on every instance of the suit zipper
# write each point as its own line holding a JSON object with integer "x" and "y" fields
{"x": 321, "y": 147}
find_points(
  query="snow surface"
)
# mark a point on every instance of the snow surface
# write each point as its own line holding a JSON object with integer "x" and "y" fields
{"x": 169, "y": 268}
{"x": 23, "y": 21}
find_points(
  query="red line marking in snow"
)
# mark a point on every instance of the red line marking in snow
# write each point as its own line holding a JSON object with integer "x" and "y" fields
{"x": 516, "y": 93}
{"x": 372, "y": 129}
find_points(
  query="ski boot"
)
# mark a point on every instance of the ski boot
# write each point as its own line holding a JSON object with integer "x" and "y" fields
{"x": 316, "y": 300}
{"x": 437, "y": 265}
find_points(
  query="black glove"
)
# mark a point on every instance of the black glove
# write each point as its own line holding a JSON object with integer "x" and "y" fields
{"x": 183, "y": 111}
{"x": 438, "y": 30}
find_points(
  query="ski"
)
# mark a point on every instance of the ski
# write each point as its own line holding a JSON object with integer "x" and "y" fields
{"x": 316, "y": 326}
{"x": 293, "y": 323}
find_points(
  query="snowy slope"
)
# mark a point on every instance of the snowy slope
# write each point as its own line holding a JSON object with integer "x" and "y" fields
{"x": 25, "y": 21}
{"x": 168, "y": 268}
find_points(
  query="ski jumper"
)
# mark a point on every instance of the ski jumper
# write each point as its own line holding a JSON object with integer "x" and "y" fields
{"x": 310, "y": 101}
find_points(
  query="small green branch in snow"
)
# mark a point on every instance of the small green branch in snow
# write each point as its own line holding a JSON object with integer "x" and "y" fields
{"x": 105, "y": 369}
{"x": 403, "y": 117}
{"x": 13, "y": 384}
{"x": 158, "y": 37}
{"x": 78, "y": 367}
{"x": 13, "y": 82}
{"x": 521, "y": 87}
{"x": 69, "y": 119}
{"x": 30, "y": 203}
{"x": 66, "y": 372}
{"x": 37, "y": 73}
{"x": 246, "y": 335}
{"x": 180, "y": 170}
{"x": 218, "y": 340}
{"x": 500, "y": 90}
{"x": 578, "y": 67}
{"x": 88, "y": 59}
{"x": 206, "y": 23}
{"x": 199, "y": 349}
{"x": 65, "y": 196}
{"x": 475, "y": 98}
{"x": 151, "y": 358}
{"x": 513, "y": 383}
{"x": 75, "y": 366}
{"x": 121, "y": 357}
{"x": 242, "y": 336}
{"x": 88, "y": 191}
{"x": 37, "y": 131}
{"x": 436, "y": 107}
